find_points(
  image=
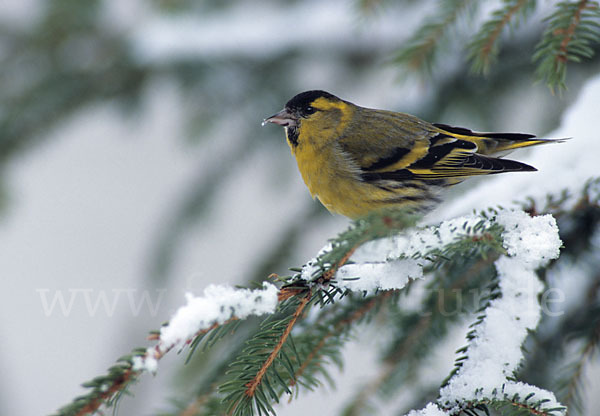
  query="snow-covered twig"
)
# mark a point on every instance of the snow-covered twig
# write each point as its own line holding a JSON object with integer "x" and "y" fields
{"x": 218, "y": 305}
{"x": 384, "y": 264}
{"x": 494, "y": 351}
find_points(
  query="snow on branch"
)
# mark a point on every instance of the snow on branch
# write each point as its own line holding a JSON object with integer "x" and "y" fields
{"x": 485, "y": 376}
{"x": 389, "y": 263}
{"x": 218, "y": 305}
{"x": 494, "y": 352}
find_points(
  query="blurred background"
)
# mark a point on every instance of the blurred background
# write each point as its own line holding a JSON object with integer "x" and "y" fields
{"x": 134, "y": 168}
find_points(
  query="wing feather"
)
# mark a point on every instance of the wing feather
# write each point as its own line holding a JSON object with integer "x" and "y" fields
{"x": 412, "y": 150}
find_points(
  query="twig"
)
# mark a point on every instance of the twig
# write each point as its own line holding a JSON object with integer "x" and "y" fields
{"x": 288, "y": 292}
{"x": 328, "y": 275}
{"x": 255, "y": 382}
{"x": 486, "y": 49}
{"x": 530, "y": 409}
{"x": 570, "y": 32}
{"x": 129, "y": 374}
{"x": 119, "y": 385}
{"x": 426, "y": 46}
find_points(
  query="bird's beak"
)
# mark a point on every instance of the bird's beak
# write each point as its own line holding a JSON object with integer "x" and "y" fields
{"x": 283, "y": 118}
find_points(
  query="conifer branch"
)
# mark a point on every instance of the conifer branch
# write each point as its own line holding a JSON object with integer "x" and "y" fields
{"x": 578, "y": 217}
{"x": 521, "y": 405}
{"x": 274, "y": 360}
{"x": 418, "y": 331}
{"x": 103, "y": 388}
{"x": 515, "y": 269}
{"x": 421, "y": 48}
{"x": 405, "y": 348}
{"x": 378, "y": 225}
{"x": 484, "y": 49}
{"x": 118, "y": 385}
{"x": 106, "y": 388}
{"x": 119, "y": 377}
{"x": 256, "y": 381}
{"x": 328, "y": 275}
{"x": 571, "y": 31}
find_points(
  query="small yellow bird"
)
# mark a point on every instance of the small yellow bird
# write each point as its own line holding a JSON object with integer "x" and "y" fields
{"x": 358, "y": 160}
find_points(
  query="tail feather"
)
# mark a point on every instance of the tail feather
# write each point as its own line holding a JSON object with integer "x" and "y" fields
{"x": 497, "y": 144}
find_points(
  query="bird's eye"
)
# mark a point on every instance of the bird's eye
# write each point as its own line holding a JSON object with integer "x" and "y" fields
{"x": 309, "y": 110}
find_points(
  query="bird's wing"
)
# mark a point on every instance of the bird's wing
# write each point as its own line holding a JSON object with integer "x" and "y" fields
{"x": 412, "y": 149}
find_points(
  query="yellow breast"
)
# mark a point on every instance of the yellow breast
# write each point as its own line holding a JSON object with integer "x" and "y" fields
{"x": 332, "y": 178}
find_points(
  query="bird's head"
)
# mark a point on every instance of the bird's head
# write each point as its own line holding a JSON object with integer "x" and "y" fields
{"x": 318, "y": 114}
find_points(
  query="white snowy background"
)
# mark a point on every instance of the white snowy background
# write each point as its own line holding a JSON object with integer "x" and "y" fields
{"x": 85, "y": 208}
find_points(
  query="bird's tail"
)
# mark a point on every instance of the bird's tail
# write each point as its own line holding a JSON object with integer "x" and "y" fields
{"x": 497, "y": 144}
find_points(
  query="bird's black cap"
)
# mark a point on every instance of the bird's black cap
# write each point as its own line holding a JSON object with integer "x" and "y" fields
{"x": 305, "y": 98}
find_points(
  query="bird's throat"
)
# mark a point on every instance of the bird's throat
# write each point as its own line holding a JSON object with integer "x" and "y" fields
{"x": 291, "y": 132}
